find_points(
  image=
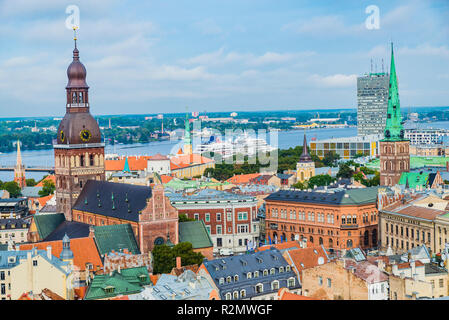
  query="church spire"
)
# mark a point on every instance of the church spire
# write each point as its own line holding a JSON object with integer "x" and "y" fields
{"x": 393, "y": 127}
{"x": 19, "y": 170}
{"x": 305, "y": 156}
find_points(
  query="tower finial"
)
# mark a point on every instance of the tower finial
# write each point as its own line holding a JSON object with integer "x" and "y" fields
{"x": 74, "y": 34}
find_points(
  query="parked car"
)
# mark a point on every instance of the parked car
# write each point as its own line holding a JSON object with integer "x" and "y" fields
{"x": 226, "y": 252}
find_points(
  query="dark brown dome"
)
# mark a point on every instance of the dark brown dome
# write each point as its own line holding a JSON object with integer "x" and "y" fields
{"x": 78, "y": 128}
{"x": 76, "y": 72}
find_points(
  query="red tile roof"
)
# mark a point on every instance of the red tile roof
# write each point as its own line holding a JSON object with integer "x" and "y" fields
{"x": 50, "y": 177}
{"x": 187, "y": 160}
{"x": 43, "y": 200}
{"x": 294, "y": 296}
{"x": 242, "y": 178}
{"x": 166, "y": 179}
{"x": 84, "y": 251}
{"x": 135, "y": 163}
{"x": 305, "y": 258}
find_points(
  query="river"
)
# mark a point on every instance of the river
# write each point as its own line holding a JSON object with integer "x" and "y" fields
{"x": 285, "y": 140}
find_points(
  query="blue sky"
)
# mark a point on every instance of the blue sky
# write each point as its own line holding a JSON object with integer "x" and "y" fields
{"x": 163, "y": 55}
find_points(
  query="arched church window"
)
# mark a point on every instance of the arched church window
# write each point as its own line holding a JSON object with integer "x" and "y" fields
{"x": 74, "y": 97}
{"x": 81, "y": 98}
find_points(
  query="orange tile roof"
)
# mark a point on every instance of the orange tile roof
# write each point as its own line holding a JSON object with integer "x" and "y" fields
{"x": 120, "y": 298}
{"x": 84, "y": 251}
{"x": 24, "y": 296}
{"x": 135, "y": 163}
{"x": 294, "y": 296}
{"x": 187, "y": 160}
{"x": 154, "y": 279}
{"x": 242, "y": 178}
{"x": 166, "y": 179}
{"x": 305, "y": 258}
{"x": 50, "y": 177}
{"x": 43, "y": 200}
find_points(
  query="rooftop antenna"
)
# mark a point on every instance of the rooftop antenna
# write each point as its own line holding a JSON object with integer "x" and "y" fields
{"x": 383, "y": 65}
{"x": 371, "y": 65}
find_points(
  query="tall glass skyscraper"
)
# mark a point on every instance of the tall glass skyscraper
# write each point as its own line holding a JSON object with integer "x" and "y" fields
{"x": 372, "y": 103}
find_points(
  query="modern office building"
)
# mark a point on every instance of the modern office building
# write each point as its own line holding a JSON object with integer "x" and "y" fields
{"x": 372, "y": 103}
{"x": 347, "y": 147}
{"x": 426, "y": 136}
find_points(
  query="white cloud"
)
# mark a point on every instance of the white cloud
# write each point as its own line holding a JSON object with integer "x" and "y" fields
{"x": 334, "y": 81}
{"x": 426, "y": 50}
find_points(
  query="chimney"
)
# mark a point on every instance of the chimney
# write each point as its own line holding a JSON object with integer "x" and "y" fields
{"x": 395, "y": 269}
{"x": 380, "y": 265}
{"x": 178, "y": 262}
{"x": 91, "y": 232}
{"x": 49, "y": 252}
{"x": 413, "y": 267}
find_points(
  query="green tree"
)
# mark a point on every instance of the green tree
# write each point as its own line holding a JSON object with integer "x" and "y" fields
{"x": 47, "y": 189}
{"x": 320, "y": 180}
{"x": 164, "y": 257}
{"x": 183, "y": 218}
{"x": 330, "y": 159}
{"x": 13, "y": 188}
{"x": 345, "y": 171}
{"x": 300, "y": 185}
{"x": 30, "y": 182}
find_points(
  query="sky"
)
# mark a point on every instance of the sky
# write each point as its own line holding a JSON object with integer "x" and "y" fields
{"x": 162, "y": 56}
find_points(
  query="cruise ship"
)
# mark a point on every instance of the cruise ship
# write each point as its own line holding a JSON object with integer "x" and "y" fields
{"x": 243, "y": 144}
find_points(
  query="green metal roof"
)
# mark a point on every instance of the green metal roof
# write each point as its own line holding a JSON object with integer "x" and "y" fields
{"x": 47, "y": 223}
{"x": 115, "y": 237}
{"x": 414, "y": 179}
{"x": 125, "y": 282}
{"x": 360, "y": 196}
{"x": 196, "y": 233}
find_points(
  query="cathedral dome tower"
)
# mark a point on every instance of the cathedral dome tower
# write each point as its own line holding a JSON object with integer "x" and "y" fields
{"x": 79, "y": 150}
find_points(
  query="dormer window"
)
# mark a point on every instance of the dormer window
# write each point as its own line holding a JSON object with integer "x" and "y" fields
{"x": 236, "y": 278}
{"x": 248, "y": 275}
{"x": 142, "y": 277}
{"x": 109, "y": 289}
{"x": 281, "y": 269}
{"x": 256, "y": 274}
{"x": 272, "y": 271}
{"x": 265, "y": 272}
{"x": 228, "y": 279}
{"x": 221, "y": 281}
{"x": 287, "y": 268}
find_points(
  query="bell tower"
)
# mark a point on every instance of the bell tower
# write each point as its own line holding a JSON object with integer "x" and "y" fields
{"x": 394, "y": 148}
{"x": 305, "y": 167}
{"x": 79, "y": 150}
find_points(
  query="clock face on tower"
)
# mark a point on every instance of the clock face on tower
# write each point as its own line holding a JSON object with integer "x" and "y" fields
{"x": 62, "y": 136}
{"x": 85, "y": 135}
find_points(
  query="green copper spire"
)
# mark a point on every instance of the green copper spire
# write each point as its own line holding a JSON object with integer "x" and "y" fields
{"x": 393, "y": 126}
{"x": 126, "y": 167}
